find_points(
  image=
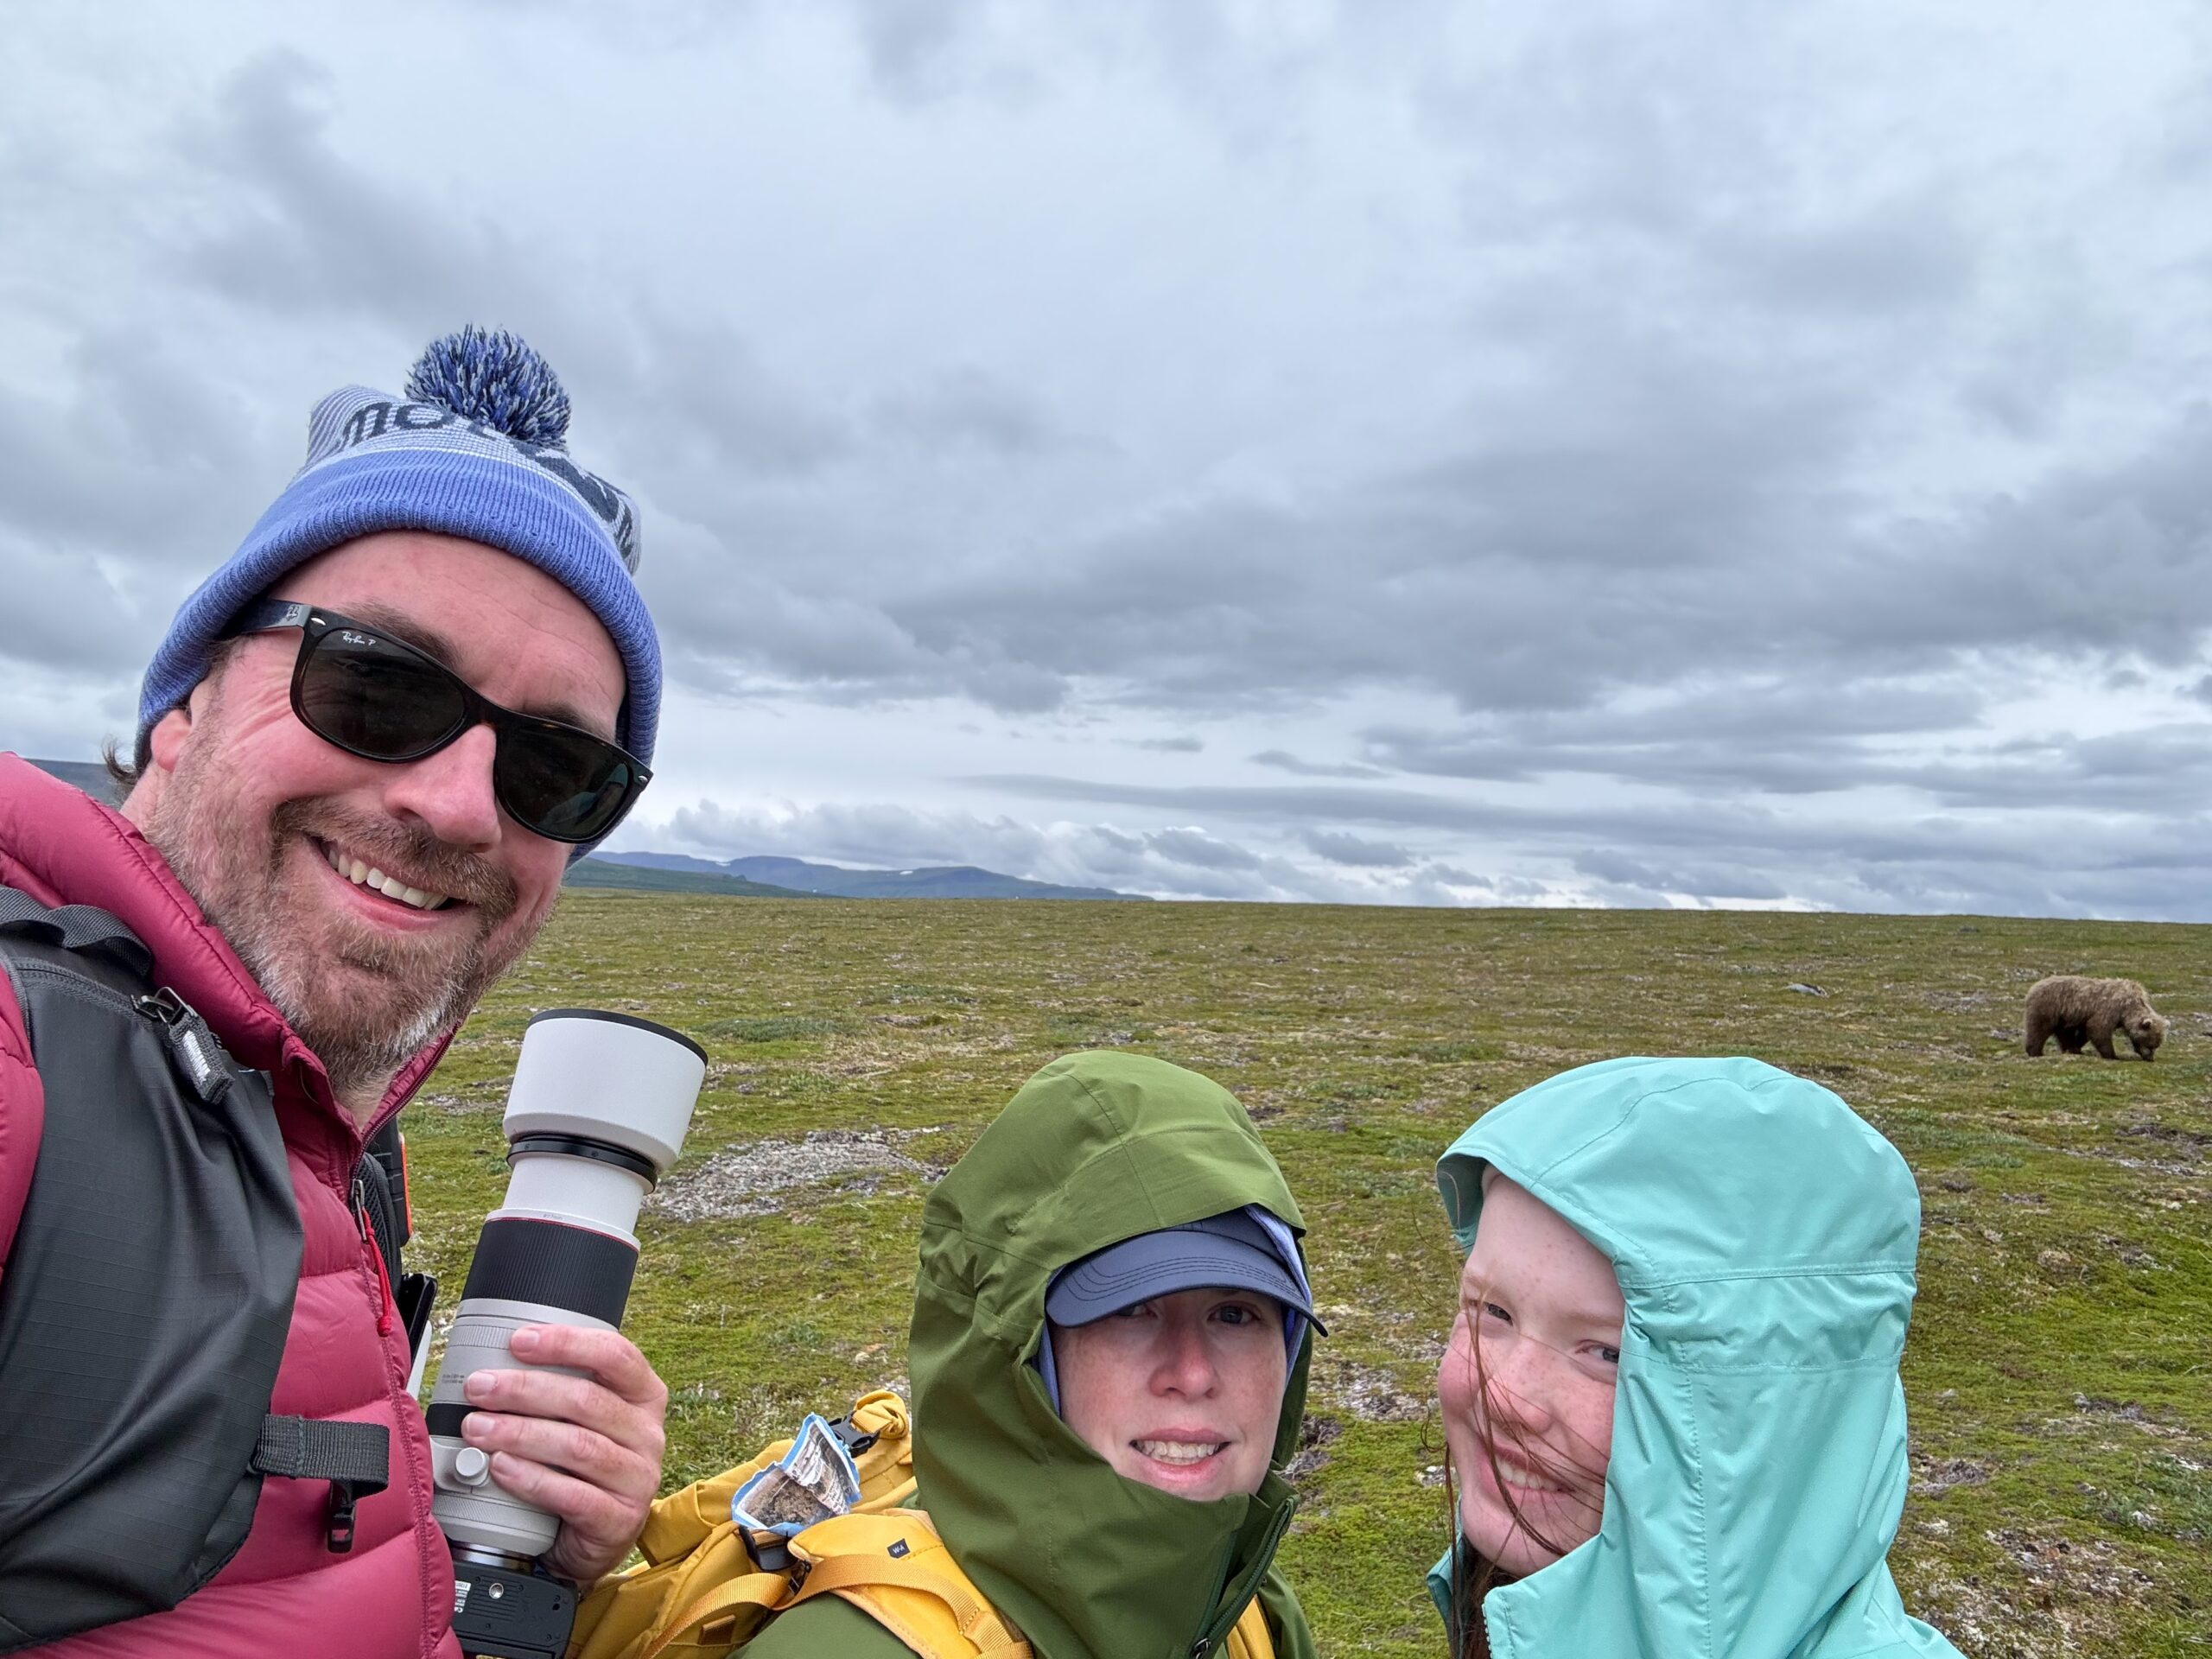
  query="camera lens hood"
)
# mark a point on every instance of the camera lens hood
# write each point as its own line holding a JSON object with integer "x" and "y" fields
{"x": 610, "y": 1078}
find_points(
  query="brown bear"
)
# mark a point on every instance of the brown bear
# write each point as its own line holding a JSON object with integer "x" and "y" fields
{"x": 2078, "y": 1010}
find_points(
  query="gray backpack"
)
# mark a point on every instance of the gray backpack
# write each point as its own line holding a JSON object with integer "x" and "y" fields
{"x": 146, "y": 1298}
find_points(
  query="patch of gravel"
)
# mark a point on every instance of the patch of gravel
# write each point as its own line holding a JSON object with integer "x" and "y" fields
{"x": 470, "y": 1098}
{"x": 2095, "y": 1417}
{"x": 1314, "y": 1436}
{"x": 1932, "y": 1476}
{"x": 2125, "y": 1410}
{"x": 751, "y": 1180}
{"x": 2188, "y": 1145}
{"x": 2189, "y": 1166}
{"x": 2064, "y": 1600}
{"x": 2130, "y": 1254}
{"x": 2091, "y": 1569}
{"x": 1370, "y": 1393}
{"x": 1964, "y": 1001}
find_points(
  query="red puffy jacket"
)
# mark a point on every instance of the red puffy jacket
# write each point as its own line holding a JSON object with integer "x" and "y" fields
{"x": 346, "y": 1355}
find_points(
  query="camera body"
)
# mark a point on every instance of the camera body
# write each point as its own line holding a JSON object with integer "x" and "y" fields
{"x": 596, "y": 1114}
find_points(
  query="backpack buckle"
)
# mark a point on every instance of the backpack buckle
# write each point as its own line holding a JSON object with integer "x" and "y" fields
{"x": 197, "y": 1051}
{"x": 354, "y": 1458}
{"x": 771, "y": 1554}
{"x": 339, "y": 1538}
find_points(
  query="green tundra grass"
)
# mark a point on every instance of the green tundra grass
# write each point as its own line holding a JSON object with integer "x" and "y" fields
{"x": 2057, "y": 1372}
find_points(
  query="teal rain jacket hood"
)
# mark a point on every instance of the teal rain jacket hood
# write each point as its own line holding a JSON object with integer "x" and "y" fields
{"x": 1764, "y": 1238}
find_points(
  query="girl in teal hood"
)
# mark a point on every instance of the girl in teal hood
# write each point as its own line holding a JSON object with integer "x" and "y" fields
{"x": 1671, "y": 1396}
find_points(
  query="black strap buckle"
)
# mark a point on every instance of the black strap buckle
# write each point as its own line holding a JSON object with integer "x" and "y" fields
{"x": 354, "y": 1458}
{"x": 339, "y": 1537}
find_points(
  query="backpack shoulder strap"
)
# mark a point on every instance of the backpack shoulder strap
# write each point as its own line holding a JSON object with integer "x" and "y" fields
{"x": 892, "y": 1566}
{"x": 704, "y": 1585}
{"x": 73, "y": 927}
{"x": 731, "y": 1610}
{"x": 160, "y": 1170}
{"x": 1248, "y": 1637}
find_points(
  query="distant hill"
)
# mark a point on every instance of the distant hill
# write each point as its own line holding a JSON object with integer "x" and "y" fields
{"x": 751, "y": 877}
{"x": 602, "y": 873}
{"x": 942, "y": 881}
{"x": 87, "y": 775}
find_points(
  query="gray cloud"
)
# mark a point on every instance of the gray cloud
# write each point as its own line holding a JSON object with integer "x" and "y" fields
{"x": 967, "y": 408}
{"x": 294, "y": 228}
{"x": 1196, "y": 847}
{"x": 1758, "y": 460}
{"x": 1705, "y": 881}
{"x": 1341, "y": 848}
{"x": 2155, "y": 770}
{"x": 299, "y": 230}
{"x": 1715, "y": 454}
{"x": 2045, "y": 862}
{"x": 1576, "y": 596}
{"x": 873, "y": 833}
{"x": 1185, "y": 863}
{"x": 1283, "y": 760}
{"x": 110, "y": 465}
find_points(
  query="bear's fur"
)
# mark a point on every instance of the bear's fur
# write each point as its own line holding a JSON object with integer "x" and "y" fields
{"x": 2078, "y": 1010}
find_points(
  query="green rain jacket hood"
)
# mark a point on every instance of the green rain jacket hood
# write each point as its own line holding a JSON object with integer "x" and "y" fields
{"x": 1095, "y": 1148}
{"x": 1764, "y": 1238}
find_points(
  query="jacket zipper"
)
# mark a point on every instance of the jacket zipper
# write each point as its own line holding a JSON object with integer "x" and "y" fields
{"x": 386, "y": 1302}
{"x": 1219, "y": 1623}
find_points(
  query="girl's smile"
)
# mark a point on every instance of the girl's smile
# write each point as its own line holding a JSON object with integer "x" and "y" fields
{"x": 1527, "y": 1383}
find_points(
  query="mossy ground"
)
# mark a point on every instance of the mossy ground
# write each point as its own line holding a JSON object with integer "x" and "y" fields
{"x": 2061, "y": 1396}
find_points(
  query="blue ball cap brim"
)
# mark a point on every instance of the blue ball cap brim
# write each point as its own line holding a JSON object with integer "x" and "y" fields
{"x": 1225, "y": 1252}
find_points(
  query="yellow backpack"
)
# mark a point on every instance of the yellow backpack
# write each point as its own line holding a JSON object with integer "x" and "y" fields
{"x": 702, "y": 1594}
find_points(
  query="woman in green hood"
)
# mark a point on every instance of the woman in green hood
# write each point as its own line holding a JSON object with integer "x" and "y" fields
{"x": 1111, "y": 1332}
{"x": 1670, "y": 1398}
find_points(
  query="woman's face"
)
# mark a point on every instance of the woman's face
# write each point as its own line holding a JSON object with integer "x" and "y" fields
{"x": 1183, "y": 1392}
{"x": 1527, "y": 1383}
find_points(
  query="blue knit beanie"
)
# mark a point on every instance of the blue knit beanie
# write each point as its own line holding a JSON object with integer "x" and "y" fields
{"x": 477, "y": 449}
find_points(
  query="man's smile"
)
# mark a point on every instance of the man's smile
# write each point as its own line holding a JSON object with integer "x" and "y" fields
{"x": 363, "y": 873}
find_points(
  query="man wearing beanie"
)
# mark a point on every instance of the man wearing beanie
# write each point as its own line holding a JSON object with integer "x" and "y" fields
{"x": 367, "y": 749}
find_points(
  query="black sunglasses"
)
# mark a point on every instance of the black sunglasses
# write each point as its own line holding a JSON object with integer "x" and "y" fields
{"x": 357, "y": 688}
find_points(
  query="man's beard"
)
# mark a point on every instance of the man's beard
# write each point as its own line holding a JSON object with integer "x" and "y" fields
{"x": 365, "y": 1002}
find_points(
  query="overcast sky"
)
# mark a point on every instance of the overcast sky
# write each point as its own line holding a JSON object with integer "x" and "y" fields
{"x": 1677, "y": 453}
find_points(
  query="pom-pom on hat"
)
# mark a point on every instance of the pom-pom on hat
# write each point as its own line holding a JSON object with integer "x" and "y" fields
{"x": 478, "y": 448}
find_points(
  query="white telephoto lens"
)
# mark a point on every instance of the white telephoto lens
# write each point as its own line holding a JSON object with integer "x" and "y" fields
{"x": 596, "y": 1116}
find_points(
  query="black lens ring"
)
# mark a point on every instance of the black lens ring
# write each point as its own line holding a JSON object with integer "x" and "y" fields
{"x": 574, "y": 1146}
{"x": 529, "y": 1259}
